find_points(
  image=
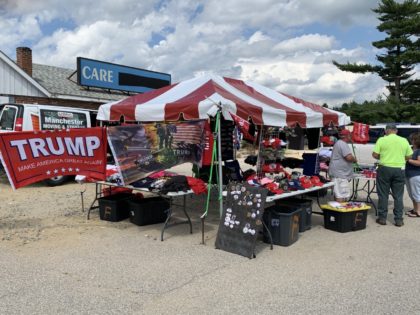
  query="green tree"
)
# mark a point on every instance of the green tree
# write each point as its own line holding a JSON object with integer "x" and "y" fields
{"x": 401, "y": 47}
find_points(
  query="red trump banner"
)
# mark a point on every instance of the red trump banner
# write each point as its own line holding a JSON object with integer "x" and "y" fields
{"x": 360, "y": 133}
{"x": 29, "y": 157}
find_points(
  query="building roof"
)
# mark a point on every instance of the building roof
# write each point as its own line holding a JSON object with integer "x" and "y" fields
{"x": 21, "y": 74}
{"x": 62, "y": 83}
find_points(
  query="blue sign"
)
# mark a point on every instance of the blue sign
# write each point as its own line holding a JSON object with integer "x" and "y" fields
{"x": 106, "y": 75}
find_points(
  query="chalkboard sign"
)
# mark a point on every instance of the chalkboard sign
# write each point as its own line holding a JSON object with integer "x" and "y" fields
{"x": 241, "y": 219}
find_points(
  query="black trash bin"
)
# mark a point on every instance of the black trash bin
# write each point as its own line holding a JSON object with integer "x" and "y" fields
{"x": 114, "y": 208}
{"x": 283, "y": 224}
{"x": 305, "y": 215}
{"x": 147, "y": 211}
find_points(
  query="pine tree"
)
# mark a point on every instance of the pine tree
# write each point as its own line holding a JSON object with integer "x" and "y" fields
{"x": 401, "y": 23}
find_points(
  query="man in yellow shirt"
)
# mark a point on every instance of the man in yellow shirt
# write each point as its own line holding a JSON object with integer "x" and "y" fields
{"x": 392, "y": 151}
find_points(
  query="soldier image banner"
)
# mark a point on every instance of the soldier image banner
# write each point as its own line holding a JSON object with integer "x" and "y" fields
{"x": 141, "y": 149}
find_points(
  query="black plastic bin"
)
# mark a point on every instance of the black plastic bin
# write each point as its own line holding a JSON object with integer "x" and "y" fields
{"x": 305, "y": 214}
{"x": 283, "y": 223}
{"x": 345, "y": 221}
{"x": 114, "y": 208}
{"x": 147, "y": 211}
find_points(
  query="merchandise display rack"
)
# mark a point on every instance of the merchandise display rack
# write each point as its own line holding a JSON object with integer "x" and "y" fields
{"x": 269, "y": 157}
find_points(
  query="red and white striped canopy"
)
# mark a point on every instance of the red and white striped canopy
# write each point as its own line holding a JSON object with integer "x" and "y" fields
{"x": 197, "y": 98}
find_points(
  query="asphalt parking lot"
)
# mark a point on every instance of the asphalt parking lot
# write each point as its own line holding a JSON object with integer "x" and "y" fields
{"x": 54, "y": 261}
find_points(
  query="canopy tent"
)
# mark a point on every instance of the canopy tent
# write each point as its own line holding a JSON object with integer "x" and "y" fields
{"x": 210, "y": 95}
{"x": 198, "y": 98}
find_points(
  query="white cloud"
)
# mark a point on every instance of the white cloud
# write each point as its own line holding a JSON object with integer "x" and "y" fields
{"x": 257, "y": 37}
{"x": 269, "y": 41}
{"x": 309, "y": 42}
{"x": 13, "y": 30}
{"x": 312, "y": 76}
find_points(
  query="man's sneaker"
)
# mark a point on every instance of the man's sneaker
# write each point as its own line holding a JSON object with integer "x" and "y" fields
{"x": 381, "y": 221}
{"x": 399, "y": 223}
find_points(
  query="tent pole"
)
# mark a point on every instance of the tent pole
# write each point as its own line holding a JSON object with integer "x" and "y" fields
{"x": 219, "y": 153}
{"x": 209, "y": 186}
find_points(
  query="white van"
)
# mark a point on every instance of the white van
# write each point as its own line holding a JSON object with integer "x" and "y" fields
{"x": 364, "y": 151}
{"x": 35, "y": 117}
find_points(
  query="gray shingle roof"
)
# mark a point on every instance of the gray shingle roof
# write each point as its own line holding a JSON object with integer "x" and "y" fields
{"x": 63, "y": 82}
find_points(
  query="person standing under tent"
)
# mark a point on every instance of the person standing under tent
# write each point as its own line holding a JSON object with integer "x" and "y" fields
{"x": 341, "y": 166}
{"x": 392, "y": 151}
{"x": 169, "y": 138}
{"x": 161, "y": 132}
{"x": 412, "y": 175}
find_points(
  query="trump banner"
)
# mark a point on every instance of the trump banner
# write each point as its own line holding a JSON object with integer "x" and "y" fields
{"x": 139, "y": 150}
{"x": 360, "y": 133}
{"x": 29, "y": 156}
{"x": 244, "y": 127}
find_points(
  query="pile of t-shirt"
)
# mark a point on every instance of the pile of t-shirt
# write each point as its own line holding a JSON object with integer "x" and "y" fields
{"x": 164, "y": 182}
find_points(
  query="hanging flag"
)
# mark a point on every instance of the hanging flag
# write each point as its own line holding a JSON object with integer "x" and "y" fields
{"x": 360, "y": 133}
{"x": 244, "y": 127}
{"x": 32, "y": 156}
{"x": 208, "y": 147}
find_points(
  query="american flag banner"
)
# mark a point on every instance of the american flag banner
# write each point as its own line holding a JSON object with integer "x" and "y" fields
{"x": 142, "y": 149}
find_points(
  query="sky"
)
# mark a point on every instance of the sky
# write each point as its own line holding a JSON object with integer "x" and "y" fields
{"x": 287, "y": 45}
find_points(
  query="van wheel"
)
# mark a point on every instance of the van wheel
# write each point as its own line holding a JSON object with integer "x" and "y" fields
{"x": 56, "y": 181}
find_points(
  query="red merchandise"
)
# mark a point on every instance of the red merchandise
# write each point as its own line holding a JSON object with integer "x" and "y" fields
{"x": 316, "y": 181}
{"x": 274, "y": 143}
{"x": 274, "y": 188}
{"x": 279, "y": 168}
{"x": 243, "y": 126}
{"x": 208, "y": 148}
{"x": 197, "y": 185}
{"x": 273, "y": 168}
{"x": 327, "y": 140}
{"x": 360, "y": 133}
{"x": 162, "y": 174}
{"x": 369, "y": 173}
{"x": 266, "y": 143}
{"x": 306, "y": 182}
{"x": 116, "y": 190}
{"x": 269, "y": 168}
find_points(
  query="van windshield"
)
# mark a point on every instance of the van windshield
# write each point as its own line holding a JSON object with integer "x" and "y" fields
{"x": 7, "y": 118}
{"x": 374, "y": 134}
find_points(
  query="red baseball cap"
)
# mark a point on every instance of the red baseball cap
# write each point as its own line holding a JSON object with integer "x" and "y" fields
{"x": 305, "y": 182}
{"x": 316, "y": 181}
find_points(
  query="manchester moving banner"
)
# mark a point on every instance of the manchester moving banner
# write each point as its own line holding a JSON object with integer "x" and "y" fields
{"x": 142, "y": 149}
{"x": 29, "y": 156}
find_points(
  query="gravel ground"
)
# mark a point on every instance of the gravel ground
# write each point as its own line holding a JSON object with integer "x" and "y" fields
{"x": 55, "y": 261}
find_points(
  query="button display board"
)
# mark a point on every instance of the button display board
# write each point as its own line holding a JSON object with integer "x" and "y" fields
{"x": 241, "y": 219}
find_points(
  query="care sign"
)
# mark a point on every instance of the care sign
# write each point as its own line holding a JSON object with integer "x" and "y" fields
{"x": 29, "y": 157}
{"x": 106, "y": 75}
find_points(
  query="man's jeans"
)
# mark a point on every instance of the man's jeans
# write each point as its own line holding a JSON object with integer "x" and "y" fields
{"x": 390, "y": 178}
